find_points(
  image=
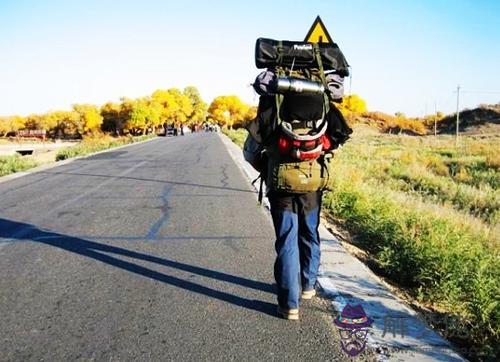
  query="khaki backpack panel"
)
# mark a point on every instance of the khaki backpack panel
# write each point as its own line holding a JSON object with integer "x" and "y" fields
{"x": 301, "y": 177}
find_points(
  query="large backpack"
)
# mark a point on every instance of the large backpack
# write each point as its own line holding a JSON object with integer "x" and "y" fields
{"x": 298, "y": 127}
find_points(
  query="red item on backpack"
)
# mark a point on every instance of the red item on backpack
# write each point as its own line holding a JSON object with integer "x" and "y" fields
{"x": 327, "y": 144}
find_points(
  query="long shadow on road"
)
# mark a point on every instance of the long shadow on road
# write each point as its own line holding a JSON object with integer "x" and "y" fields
{"x": 91, "y": 249}
{"x": 151, "y": 180}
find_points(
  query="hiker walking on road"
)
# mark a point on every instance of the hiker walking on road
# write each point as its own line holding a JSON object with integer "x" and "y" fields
{"x": 291, "y": 144}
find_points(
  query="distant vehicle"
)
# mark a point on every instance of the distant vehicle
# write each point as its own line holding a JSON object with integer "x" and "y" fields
{"x": 211, "y": 128}
{"x": 169, "y": 131}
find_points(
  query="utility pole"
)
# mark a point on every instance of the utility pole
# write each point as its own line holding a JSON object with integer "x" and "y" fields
{"x": 351, "y": 115}
{"x": 435, "y": 119}
{"x": 458, "y": 114}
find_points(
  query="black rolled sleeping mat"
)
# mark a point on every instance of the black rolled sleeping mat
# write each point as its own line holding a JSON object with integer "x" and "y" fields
{"x": 270, "y": 53}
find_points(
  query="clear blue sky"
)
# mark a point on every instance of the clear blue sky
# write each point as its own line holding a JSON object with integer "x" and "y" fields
{"x": 405, "y": 55}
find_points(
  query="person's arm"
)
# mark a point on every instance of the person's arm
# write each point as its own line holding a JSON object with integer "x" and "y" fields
{"x": 338, "y": 130}
{"x": 266, "y": 117}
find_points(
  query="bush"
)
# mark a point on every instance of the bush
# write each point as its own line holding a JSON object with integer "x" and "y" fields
{"x": 15, "y": 163}
{"x": 97, "y": 143}
{"x": 399, "y": 124}
{"x": 238, "y": 136}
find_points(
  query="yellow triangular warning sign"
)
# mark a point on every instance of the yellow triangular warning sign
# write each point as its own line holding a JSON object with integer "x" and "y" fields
{"x": 318, "y": 33}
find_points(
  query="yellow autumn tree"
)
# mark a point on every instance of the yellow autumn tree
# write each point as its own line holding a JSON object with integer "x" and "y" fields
{"x": 352, "y": 104}
{"x": 113, "y": 118}
{"x": 34, "y": 121}
{"x": 89, "y": 118}
{"x": 60, "y": 123}
{"x": 251, "y": 114}
{"x": 11, "y": 124}
{"x": 4, "y": 126}
{"x": 126, "y": 107}
{"x": 228, "y": 110}
{"x": 176, "y": 107}
{"x": 49, "y": 120}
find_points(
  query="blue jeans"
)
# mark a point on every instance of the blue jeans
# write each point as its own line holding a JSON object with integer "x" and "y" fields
{"x": 296, "y": 221}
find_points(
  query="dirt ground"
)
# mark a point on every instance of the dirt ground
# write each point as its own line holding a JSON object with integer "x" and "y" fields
{"x": 43, "y": 152}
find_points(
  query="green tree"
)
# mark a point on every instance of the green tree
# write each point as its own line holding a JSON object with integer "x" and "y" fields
{"x": 144, "y": 115}
{"x": 199, "y": 113}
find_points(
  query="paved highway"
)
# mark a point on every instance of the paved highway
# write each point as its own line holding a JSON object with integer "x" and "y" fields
{"x": 157, "y": 251}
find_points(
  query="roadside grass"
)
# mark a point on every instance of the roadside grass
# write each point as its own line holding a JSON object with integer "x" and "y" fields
{"x": 446, "y": 259}
{"x": 99, "y": 143}
{"x": 236, "y": 135}
{"x": 428, "y": 213}
{"x": 433, "y": 169}
{"x": 15, "y": 163}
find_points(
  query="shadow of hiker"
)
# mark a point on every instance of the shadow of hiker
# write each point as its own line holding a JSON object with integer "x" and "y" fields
{"x": 14, "y": 230}
{"x": 225, "y": 188}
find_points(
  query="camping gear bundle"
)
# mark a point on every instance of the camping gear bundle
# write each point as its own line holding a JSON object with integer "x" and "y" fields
{"x": 305, "y": 75}
{"x": 301, "y": 81}
{"x": 271, "y": 53}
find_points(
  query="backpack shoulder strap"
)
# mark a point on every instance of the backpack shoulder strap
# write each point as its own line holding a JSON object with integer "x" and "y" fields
{"x": 322, "y": 76}
{"x": 279, "y": 100}
{"x": 280, "y": 72}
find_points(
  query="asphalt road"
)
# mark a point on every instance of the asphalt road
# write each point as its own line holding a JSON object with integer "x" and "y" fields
{"x": 157, "y": 251}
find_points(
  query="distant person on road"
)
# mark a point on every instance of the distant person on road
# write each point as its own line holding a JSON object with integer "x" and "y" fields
{"x": 291, "y": 143}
